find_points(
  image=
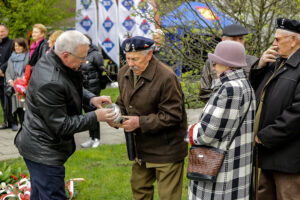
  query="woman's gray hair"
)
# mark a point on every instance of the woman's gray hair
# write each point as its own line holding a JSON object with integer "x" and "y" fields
{"x": 69, "y": 41}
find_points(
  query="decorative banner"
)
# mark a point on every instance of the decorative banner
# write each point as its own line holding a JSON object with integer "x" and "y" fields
{"x": 86, "y": 18}
{"x": 108, "y": 29}
{"x": 138, "y": 24}
{"x": 144, "y": 10}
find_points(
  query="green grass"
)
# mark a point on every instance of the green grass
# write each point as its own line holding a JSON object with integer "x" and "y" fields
{"x": 112, "y": 92}
{"x": 106, "y": 170}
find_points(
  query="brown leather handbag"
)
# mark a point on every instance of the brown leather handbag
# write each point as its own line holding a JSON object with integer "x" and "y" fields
{"x": 205, "y": 161}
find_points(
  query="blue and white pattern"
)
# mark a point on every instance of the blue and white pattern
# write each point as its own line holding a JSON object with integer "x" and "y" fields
{"x": 86, "y": 18}
{"x": 218, "y": 122}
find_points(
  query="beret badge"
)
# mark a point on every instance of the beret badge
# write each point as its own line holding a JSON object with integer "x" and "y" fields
{"x": 127, "y": 47}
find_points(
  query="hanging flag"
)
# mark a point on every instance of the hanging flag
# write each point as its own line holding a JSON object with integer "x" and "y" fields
{"x": 144, "y": 18}
{"x": 134, "y": 18}
{"x": 108, "y": 29}
{"x": 86, "y": 18}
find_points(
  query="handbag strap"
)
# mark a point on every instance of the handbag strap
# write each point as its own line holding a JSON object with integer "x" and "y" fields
{"x": 238, "y": 128}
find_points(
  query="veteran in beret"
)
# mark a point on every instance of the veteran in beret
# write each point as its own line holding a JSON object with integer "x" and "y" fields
{"x": 276, "y": 80}
{"x": 152, "y": 101}
{"x": 209, "y": 79}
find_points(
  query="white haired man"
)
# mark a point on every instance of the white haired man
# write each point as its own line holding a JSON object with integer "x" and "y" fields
{"x": 276, "y": 81}
{"x": 54, "y": 114}
{"x": 152, "y": 100}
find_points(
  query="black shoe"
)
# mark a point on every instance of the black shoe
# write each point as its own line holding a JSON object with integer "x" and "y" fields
{"x": 4, "y": 126}
{"x": 14, "y": 127}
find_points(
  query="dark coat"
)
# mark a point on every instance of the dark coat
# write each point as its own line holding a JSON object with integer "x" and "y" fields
{"x": 280, "y": 116}
{"x": 159, "y": 102}
{"x": 92, "y": 71}
{"x": 53, "y": 112}
{"x": 39, "y": 52}
{"x": 6, "y": 49}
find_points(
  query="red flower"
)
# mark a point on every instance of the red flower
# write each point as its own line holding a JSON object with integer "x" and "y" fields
{"x": 14, "y": 177}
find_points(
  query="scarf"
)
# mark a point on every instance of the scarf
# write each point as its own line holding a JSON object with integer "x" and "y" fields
{"x": 18, "y": 63}
{"x": 34, "y": 46}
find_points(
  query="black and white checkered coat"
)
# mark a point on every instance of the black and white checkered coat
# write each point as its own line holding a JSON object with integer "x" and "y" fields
{"x": 218, "y": 122}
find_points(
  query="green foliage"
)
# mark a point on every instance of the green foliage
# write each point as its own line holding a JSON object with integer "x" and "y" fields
{"x": 10, "y": 171}
{"x": 20, "y": 15}
{"x": 190, "y": 89}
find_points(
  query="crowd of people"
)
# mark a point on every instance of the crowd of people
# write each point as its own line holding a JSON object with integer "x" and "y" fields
{"x": 251, "y": 101}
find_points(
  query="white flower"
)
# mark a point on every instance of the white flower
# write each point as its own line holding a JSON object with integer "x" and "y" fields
{"x": 3, "y": 185}
{"x": 1, "y": 173}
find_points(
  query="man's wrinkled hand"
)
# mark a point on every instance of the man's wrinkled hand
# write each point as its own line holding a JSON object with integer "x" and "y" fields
{"x": 100, "y": 101}
{"x": 257, "y": 140}
{"x": 130, "y": 123}
{"x": 105, "y": 115}
{"x": 1, "y": 73}
{"x": 268, "y": 56}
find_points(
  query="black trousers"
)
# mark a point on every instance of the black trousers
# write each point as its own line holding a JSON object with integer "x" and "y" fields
{"x": 94, "y": 131}
{"x": 47, "y": 181}
{"x": 8, "y": 117}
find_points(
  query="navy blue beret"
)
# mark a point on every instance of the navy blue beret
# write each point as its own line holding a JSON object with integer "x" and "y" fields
{"x": 137, "y": 43}
{"x": 234, "y": 30}
{"x": 288, "y": 24}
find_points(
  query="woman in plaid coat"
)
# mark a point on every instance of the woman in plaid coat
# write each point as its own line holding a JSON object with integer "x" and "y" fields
{"x": 218, "y": 122}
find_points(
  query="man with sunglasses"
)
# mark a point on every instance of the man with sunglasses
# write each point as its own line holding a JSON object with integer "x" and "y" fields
{"x": 276, "y": 81}
{"x": 209, "y": 79}
{"x": 54, "y": 114}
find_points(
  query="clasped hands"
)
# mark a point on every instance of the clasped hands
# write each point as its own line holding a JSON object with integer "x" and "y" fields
{"x": 130, "y": 123}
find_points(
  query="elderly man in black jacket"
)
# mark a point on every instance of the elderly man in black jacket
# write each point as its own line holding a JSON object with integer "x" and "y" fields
{"x": 6, "y": 49}
{"x": 276, "y": 80}
{"x": 54, "y": 114}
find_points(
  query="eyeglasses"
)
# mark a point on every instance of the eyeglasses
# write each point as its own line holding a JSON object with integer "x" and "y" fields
{"x": 277, "y": 39}
{"x": 80, "y": 58}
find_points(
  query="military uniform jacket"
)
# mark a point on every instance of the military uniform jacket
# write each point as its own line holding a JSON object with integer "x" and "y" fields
{"x": 280, "y": 116}
{"x": 158, "y": 100}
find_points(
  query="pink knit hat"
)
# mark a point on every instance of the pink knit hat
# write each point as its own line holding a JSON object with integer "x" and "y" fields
{"x": 229, "y": 53}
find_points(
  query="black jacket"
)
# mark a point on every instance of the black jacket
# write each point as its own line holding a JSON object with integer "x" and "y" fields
{"x": 53, "y": 112}
{"x": 6, "y": 49}
{"x": 280, "y": 116}
{"x": 92, "y": 71}
{"x": 39, "y": 52}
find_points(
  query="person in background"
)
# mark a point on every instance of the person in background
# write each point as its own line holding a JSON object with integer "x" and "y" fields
{"x": 218, "y": 122}
{"x": 276, "y": 80}
{"x": 91, "y": 75}
{"x": 6, "y": 49}
{"x": 159, "y": 49}
{"x": 233, "y": 32}
{"x": 16, "y": 68}
{"x": 52, "y": 39}
{"x": 54, "y": 114}
{"x": 39, "y": 46}
{"x": 152, "y": 101}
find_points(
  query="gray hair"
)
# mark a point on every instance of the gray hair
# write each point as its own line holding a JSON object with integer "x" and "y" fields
{"x": 69, "y": 42}
{"x": 158, "y": 31}
{"x": 145, "y": 52}
{"x": 289, "y": 33}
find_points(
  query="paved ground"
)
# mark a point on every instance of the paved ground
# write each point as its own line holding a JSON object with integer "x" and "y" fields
{"x": 108, "y": 136}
